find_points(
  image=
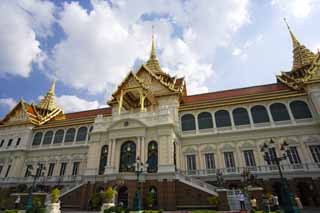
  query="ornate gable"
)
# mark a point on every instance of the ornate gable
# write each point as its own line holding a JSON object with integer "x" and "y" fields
{"x": 305, "y": 66}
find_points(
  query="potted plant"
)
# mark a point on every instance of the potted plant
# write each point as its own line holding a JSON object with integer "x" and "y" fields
{"x": 108, "y": 196}
{"x": 54, "y": 206}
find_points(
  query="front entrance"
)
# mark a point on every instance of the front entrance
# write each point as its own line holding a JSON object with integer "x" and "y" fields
{"x": 123, "y": 197}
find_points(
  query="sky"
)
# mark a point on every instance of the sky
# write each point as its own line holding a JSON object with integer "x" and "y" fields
{"x": 88, "y": 46}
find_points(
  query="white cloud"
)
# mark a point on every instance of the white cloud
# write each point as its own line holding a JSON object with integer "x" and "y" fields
{"x": 243, "y": 51}
{"x": 8, "y": 103}
{"x": 21, "y": 22}
{"x": 103, "y": 44}
{"x": 297, "y": 8}
{"x": 70, "y": 103}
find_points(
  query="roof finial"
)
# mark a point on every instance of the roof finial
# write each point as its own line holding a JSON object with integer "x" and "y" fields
{"x": 295, "y": 41}
{"x": 52, "y": 87}
{"x": 153, "y": 49}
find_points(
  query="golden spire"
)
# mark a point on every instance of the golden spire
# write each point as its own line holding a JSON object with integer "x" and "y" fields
{"x": 302, "y": 56}
{"x": 153, "y": 63}
{"x": 48, "y": 102}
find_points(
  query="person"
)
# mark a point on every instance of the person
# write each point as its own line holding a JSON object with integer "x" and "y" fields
{"x": 253, "y": 203}
{"x": 298, "y": 202}
{"x": 242, "y": 199}
{"x": 17, "y": 202}
{"x": 275, "y": 201}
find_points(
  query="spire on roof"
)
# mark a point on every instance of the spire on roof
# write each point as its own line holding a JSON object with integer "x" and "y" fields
{"x": 153, "y": 63}
{"x": 48, "y": 102}
{"x": 302, "y": 56}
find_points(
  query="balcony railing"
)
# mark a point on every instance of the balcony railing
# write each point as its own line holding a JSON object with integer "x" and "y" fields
{"x": 43, "y": 179}
{"x": 287, "y": 168}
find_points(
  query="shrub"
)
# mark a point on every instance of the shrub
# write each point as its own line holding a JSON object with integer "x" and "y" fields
{"x": 11, "y": 211}
{"x": 213, "y": 201}
{"x": 115, "y": 210}
{"x": 150, "y": 199}
{"x": 96, "y": 201}
{"x": 55, "y": 194}
{"x": 108, "y": 194}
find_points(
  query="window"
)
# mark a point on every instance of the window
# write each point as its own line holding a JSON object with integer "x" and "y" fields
{"x": 1, "y": 167}
{"x": 90, "y": 130}
{"x": 63, "y": 168}
{"x": 229, "y": 160}
{"x": 37, "y": 139}
{"x": 188, "y": 122}
{"x": 191, "y": 163}
{"x": 240, "y": 116}
{"x": 152, "y": 156}
{"x": 279, "y": 112}
{"x": 8, "y": 170}
{"x": 103, "y": 159}
{"x": 47, "y": 137}
{"x": 222, "y": 118}
{"x": 18, "y": 141}
{"x": 293, "y": 155}
{"x": 51, "y": 169}
{"x": 300, "y": 110}
{"x": 70, "y": 135}
{"x": 249, "y": 158}
{"x": 270, "y": 155}
{"x": 259, "y": 114}
{"x": 10, "y": 142}
{"x": 75, "y": 168}
{"x": 2, "y": 142}
{"x": 127, "y": 157}
{"x": 209, "y": 161}
{"x": 28, "y": 171}
{"x": 82, "y": 134}
{"x": 205, "y": 120}
{"x": 58, "y": 137}
{"x": 315, "y": 151}
{"x": 40, "y": 168}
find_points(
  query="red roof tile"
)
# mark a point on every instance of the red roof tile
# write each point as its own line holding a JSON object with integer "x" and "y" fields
{"x": 89, "y": 113}
{"x": 234, "y": 93}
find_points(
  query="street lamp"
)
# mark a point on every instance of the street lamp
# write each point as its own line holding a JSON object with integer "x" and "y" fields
{"x": 39, "y": 172}
{"x": 287, "y": 196}
{"x": 219, "y": 178}
{"x": 139, "y": 167}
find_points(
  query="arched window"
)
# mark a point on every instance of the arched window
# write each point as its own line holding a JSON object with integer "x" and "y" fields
{"x": 70, "y": 134}
{"x": 82, "y": 134}
{"x": 152, "y": 195}
{"x": 300, "y": 110}
{"x": 152, "y": 157}
{"x": 127, "y": 157}
{"x": 205, "y": 120}
{"x": 259, "y": 114}
{"x": 37, "y": 138}
{"x": 188, "y": 122}
{"x": 240, "y": 116}
{"x": 103, "y": 159}
{"x": 279, "y": 112}
{"x": 90, "y": 130}
{"x": 123, "y": 197}
{"x": 58, "y": 137}
{"x": 47, "y": 137}
{"x": 222, "y": 118}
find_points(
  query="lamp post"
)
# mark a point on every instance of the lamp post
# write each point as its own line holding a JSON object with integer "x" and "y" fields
{"x": 219, "y": 178}
{"x": 39, "y": 172}
{"x": 139, "y": 169}
{"x": 287, "y": 196}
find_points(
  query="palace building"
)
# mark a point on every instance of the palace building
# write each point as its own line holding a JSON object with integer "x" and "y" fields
{"x": 189, "y": 147}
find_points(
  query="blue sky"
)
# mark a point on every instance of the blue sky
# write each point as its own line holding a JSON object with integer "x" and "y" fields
{"x": 88, "y": 46}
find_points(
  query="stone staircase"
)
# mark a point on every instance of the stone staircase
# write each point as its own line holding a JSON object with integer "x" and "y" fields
{"x": 198, "y": 184}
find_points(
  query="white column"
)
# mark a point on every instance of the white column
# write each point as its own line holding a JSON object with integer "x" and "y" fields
{"x": 113, "y": 153}
{"x": 109, "y": 153}
{"x": 143, "y": 149}
{"x": 270, "y": 116}
{"x": 138, "y": 145}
